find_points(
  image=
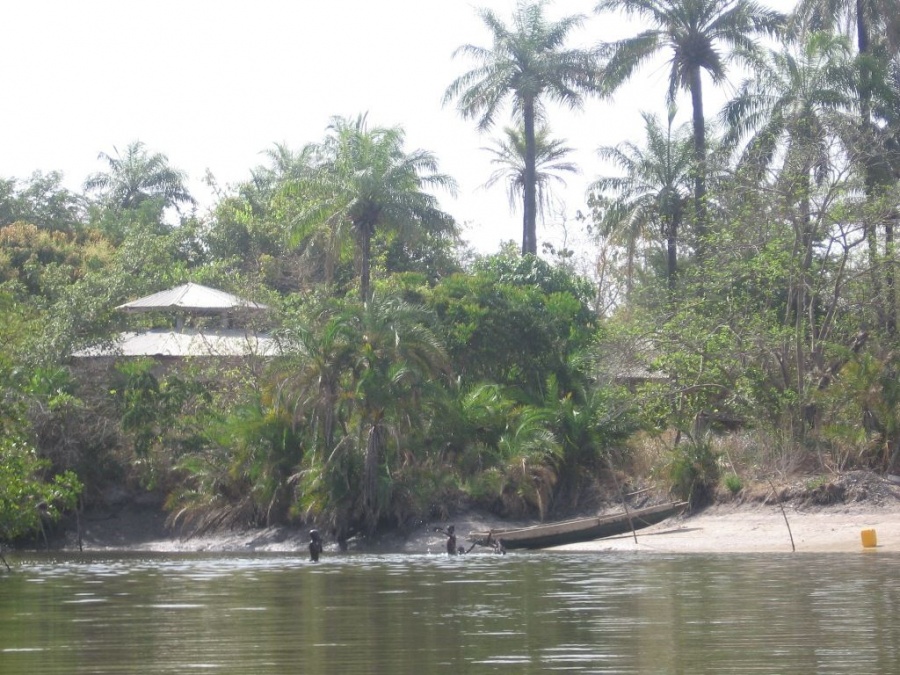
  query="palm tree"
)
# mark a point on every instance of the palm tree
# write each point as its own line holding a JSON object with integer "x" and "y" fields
{"x": 529, "y": 459}
{"x": 529, "y": 64}
{"x": 283, "y": 165}
{"x": 793, "y": 101}
{"x": 875, "y": 24}
{"x": 324, "y": 346}
{"x": 654, "y": 190}
{"x": 696, "y": 34}
{"x": 399, "y": 360}
{"x": 790, "y": 112}
{"x": 137, "y": 176}
{"x": 509, "y": 156}
{"x": 365, "y": 181}
{"x": 359, "y": 385}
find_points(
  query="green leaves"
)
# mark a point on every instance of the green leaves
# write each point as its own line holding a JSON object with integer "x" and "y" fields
{"x": 28, "y": 494}
{"x": 528, "y": 64}
{"x": 137, "y": 176}
{"x": 360, "y": 181}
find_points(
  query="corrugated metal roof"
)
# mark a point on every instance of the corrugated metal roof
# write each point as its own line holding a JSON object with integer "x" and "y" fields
{"x": 190, "y": 296}
{"x": 186, "y": 343}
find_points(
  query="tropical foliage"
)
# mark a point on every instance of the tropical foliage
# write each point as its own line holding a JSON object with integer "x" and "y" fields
{"x": 530, "y": 64}
{"x": 414, "y": 378}
{"x": 699, "y": 36}
{"x": 360, "y": 182}
{"x": 550, "y": 163}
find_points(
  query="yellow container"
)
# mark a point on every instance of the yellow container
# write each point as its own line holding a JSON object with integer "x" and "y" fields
{"x": 869, "y": 540}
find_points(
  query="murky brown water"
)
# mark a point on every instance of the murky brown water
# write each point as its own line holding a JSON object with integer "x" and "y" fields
{"x": 522, "y": 613}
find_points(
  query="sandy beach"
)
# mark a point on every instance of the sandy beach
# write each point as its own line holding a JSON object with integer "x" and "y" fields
{"x": 745, "y": 524}
{"x": 717, "y": 529}
{"x": 762, "y": 529}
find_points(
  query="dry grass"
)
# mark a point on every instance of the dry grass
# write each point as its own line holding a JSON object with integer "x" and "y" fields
{"x": 752, "y": 460}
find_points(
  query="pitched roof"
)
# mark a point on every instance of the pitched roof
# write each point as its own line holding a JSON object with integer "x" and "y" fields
{"x": 192, "y": 297}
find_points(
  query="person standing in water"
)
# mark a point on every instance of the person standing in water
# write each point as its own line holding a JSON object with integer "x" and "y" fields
{"x": 315, "y": 545}
{"x": 451, "y": 541}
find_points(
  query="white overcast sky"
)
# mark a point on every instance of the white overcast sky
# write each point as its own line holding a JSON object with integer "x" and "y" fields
{"x": 214, "y": 83}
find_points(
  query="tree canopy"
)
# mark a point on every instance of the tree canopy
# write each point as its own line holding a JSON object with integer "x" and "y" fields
{"x": 736, "y": 312}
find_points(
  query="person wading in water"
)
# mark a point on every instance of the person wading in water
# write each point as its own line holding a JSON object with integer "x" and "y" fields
{"x": 315, "y": 545}
{"x": 452, "y": 548}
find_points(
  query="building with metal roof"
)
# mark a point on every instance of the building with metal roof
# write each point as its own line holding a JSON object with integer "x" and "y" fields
{"x": 166, "y": 343}
{"x": 185, "y": 343}
{"x": 193, "y": 298}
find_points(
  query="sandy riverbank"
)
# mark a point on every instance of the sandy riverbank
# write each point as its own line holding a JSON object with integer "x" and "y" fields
{"x": 762, "y": 529}
{"x": 717, "y": 529}
{"x": 854, "y": 503}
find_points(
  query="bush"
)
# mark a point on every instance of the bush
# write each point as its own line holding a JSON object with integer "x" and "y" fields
{"x": 693, "y": 472}
{"x": 733, "y": 483}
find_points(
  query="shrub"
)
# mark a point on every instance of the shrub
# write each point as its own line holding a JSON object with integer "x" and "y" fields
{"x": 693, "y": 472}
{"x": 733, "y": 483}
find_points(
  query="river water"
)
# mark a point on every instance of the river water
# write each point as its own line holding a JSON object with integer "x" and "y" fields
{"x": 393, "y": 614}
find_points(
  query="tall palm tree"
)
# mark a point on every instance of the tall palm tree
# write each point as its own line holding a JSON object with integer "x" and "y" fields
{"x": 698, "y": 35}
{"x": 795, "y": 98}
{"x": 363, "y": 180}
{"x": 875, "y": 25}
{"x": 654, "y": 190}
{"x": 136, "y": 176}
{"x": 791, "y": 111}
{"x": 528, "y": 64}
{"x": 509, "y": 156}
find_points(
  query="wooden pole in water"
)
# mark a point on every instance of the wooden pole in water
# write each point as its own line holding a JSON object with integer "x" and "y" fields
{"x": 79, "y": 507}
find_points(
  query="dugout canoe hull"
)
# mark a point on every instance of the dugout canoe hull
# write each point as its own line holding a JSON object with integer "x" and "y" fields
{"x": 578, "y": 530}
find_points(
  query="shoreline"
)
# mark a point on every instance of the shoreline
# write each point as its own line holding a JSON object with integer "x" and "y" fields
{"x": 762, "y": 529}
{"x": 723, "y": 528}
{"x": 827, "y": 519}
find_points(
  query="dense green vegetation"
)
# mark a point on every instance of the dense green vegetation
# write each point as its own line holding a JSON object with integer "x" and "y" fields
{"x": 741, "y": 322}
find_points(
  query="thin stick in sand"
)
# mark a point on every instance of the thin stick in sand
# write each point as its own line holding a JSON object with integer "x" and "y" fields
{"x": 781, "y": 506}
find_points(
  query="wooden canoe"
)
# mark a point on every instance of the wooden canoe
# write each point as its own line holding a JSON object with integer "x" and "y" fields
{"x": 578, "y": 529}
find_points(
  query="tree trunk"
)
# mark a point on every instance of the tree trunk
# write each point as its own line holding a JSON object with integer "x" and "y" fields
{"x": 884, "y": 293}
{"x": 370, "y": 477}
{"x": 529, "y": 235}
{"x": 699, "y": 123}
{"x": 890, "y": 293}
{"x": 365, "y": 254}
{"x": 672, "y": 250}
{"x": 331, "y": 398}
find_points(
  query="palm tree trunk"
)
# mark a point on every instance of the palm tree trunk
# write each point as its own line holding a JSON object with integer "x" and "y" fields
{"x": 807, "y": 238}
{"x": 365, "y": 262}
{"x": 529, "y": 235}
{"x": 890, "y": 292}
{"x": 328, "y": 417}
{"x": 885, "y": 302}
{"x": 671, "y": 251}
{"x": 699, "y": 123}
{"x": 370, "y": 477}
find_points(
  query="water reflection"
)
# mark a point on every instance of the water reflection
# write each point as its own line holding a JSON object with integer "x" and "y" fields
{"x": 524, "y": 613}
